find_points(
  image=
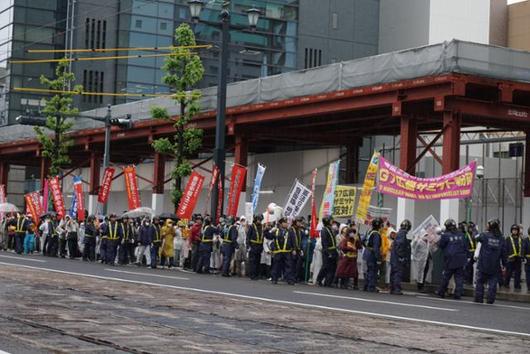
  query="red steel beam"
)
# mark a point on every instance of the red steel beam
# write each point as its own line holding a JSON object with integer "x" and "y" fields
{"x": 451, "y": 142}
{"x": 407, "y": 151}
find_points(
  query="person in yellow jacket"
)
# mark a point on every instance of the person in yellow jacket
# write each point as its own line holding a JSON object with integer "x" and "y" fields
{"x": 167, "y": 233}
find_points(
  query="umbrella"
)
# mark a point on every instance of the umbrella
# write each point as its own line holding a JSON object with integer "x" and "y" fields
{"x": 171, "y": 216}
{"x": 8, "y": 208}
{"x": 139, "y": 212}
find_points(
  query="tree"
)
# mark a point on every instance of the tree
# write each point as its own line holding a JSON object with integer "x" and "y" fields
{"x": 183, "y": 70}
{"x": 57, "y": 110}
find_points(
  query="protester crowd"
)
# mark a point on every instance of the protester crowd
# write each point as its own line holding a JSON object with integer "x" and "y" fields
{"x": 283, "y": 250}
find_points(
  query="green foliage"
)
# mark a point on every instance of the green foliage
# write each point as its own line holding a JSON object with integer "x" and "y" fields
{"x": 184, "y": 70}
{"x": 57, "y": 110}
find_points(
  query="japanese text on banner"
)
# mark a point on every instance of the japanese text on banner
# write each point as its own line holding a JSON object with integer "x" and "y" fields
{"x": 344, "y": 204}
{"x": 455, "y": 185}
{"x": 57, "y": 196}
{"x": 190, "y": 196}
{"x": 131, "y": 185}
{"x": 237, "y": 182}
{"x": 368, "y": 185}
{"x": 326, "y": 208}
{"x": 104, "y": 190}
{"x": 296, "y": 200}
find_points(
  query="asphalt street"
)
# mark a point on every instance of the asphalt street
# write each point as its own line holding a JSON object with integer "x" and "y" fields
{"x": 501, "y": 318}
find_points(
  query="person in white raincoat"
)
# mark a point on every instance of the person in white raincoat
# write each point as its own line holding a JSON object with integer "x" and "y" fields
{"x": 316, "y": 264}
{"x": 420, "y": 257}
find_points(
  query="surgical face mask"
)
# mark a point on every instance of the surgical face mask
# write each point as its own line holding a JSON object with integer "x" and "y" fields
{"x": 335, "y": 227}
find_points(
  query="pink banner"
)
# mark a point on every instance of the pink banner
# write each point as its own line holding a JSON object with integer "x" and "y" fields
{"x": 396, "y": 182}
{"x": 104, "y": 190}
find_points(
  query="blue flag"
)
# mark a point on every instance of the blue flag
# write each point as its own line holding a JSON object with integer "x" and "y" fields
{"x": 257, "y": 186}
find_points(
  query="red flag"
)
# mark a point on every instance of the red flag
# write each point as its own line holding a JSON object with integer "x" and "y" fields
{"x": 219, "y": 200}
{"x": 78, "y": 190}
{"x": 215, "y": 175}
{"x": 313, "y": 232}
{"x": 190, "y": 196}
{"x": 104, "y": 189}
{"x": 33, "y": 205}
{"x": 57, "y": 195}
{"x": 131, "y": 186}
{"x": 237, "y": 182}
{"x": 45, "y": 193}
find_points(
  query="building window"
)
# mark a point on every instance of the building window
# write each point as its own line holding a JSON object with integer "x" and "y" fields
{"x": 98, "y": 35}
{"x": 138, "y": 24}
{"x": 163, "y": 26}
{"x": 95, "y": 33}
{"x": 312, "y": 58}
{"x": 334, "y": 21}
{"x": 84, "y": 97}
{"x": 87, "y": 32}
{"x": 93, "y": 82}
{"x": 104, "y": 35}
{"x": 92, "y": 33}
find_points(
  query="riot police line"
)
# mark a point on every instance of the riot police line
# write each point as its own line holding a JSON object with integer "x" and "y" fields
{"x": 283, "y": 251}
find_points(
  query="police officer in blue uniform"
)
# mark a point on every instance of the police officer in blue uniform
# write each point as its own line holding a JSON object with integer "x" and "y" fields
{"x": 372, "y": 255}
{"x": 526, "y": 259}
{"x": 255, "y": 246}
{"x": 283, "y": 249}
{"x": 399, "y": 257}
{"x": 229, "y": 245}
{"x": 206, "y": 246}
{"x": 514, "y": 248}
{"x": 113, "y": 233}
{"x": 492, "y": 255}
{"x": 452, "y": 243}
{"x": 329, "y": 253}
{"x": 468, "y": 231}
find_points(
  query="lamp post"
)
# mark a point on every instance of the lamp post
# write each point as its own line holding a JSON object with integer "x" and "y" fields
{"x": 219, "y": 152}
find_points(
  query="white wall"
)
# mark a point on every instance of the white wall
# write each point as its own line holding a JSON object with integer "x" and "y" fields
{"x": 459, "y": 19}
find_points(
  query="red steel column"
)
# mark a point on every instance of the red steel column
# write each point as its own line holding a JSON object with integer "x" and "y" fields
{"x": 95, "y": 165}
{"x": 159, "y": 170}
{"x": 352, "y": 162}
{"x": 451, "y": 142}
{"x": 407, "y": 151}
{"x": 4, "y": 171}
{"x": 241, "y": 154}
{"x": 527, "y": 166}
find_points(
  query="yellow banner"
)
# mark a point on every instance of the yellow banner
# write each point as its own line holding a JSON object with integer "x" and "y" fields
{"x": 368, "y": 186}
{"x": 344, "y": 204}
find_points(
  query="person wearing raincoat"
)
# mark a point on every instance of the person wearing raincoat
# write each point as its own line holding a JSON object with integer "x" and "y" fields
{"x": 167, "y": 232}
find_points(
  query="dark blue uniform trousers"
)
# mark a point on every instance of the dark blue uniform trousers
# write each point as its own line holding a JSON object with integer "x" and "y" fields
{"x": 492, "y": 280}
{"x": 371, "y": 275}
{"x": 227, "y": 251}
{"x": 254, "y": 259}
{"x": 513, "y": 267}
{"x": 203, "y": 262}
{"x": 458, "y": 273}
{"x": 282, "y": 263}
{"x": 396, "y": 275}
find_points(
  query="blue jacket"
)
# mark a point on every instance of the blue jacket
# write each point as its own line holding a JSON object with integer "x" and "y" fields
{"x": 283, "y": 240}
{"x": 526, "y": 251}
{"x": 514, "y": 248}
{"x": 453, "y": 245}
{"x": 492, "y": 252}
{"x": 146, "y": 234}
{"x": 400, "y": 248}
{"x": 329, "y": 242}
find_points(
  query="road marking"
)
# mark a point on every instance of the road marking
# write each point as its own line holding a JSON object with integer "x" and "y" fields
{"x": 474, "y": 303}
{"x": 146, "y": 274}
{"x": 285, "y": 302}
{"x": 23, "y": 259}
{"x": 2, "y": 352}
{"x": 376, "y": 301}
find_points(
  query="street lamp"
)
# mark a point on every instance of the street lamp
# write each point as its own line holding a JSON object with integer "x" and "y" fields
{"x": 219, "y": 152}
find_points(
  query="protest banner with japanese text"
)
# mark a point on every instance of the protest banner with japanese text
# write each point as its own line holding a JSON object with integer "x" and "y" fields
{"x": 131, "y": 186}
{"x": 455, "y": 185}
{"x": 257, "y": 186}
{"x": 190, "y": 196}
{"x": 344, "y": 204}
{"x": 326, "y": 208}
{"x": 104, "y": 189}
{"x": 313, "y": 232}
{"x": 57, "y": 196}
{"x": 297, "y": 199}
{"x": 368, "y": 186}
{"x": 78, "y": 192}
{"x": 33, "y": 205}
{"x": 237, "y": 182}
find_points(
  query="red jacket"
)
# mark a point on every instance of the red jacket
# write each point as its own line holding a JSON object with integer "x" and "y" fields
{"x": 195, "y": 237}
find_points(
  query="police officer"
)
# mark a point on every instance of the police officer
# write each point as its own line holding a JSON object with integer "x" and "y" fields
{"x": 399, "y": 257}
{"x": 514, "y": 248}
{"x": 468, "y": 230}
{"x": 297, "y": 232}
{"x": 492, "y": 255}
{"x": 126, "y": 251}
{"x": 453, "y": 244}
{"x": 283, "y": 249}
{"x": 113, "y": 233}
{"x": 156, "y": 243}
{"x": 526, "y": 259}
{"x": 205, "y": 246}
{"x": 229, "y": 245}
{"x": 21, "y": 224}
{"x": 89, "y": 250}
{"x": 372, "y": 255}
{"x": 255, "y": 246}
{"x": 329, "y": 253}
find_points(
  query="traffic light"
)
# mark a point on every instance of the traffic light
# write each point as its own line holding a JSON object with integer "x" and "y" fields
{"x": 28, "y": 120}
{"x": 125, "y": 123}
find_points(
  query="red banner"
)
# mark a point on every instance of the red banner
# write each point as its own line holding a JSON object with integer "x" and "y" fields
{"x": 45, "y": 193}
{"x": 220, "y": 196}
{"x": 215, "y": 175}
{"x": 57, "y": 195}
{"x": 131, "y": 186}
{"x": 2, "y": 193}
{"x": 190, "y": 196}
{"x": 104, "y": 189}
{"x": 313, "y": 231}
{"x": 78, "y": 190}
{"x": 237, "y": 181}
{"x": 33, "y": 205}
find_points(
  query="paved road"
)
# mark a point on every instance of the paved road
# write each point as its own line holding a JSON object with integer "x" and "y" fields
{"x": 500, "y": 318}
